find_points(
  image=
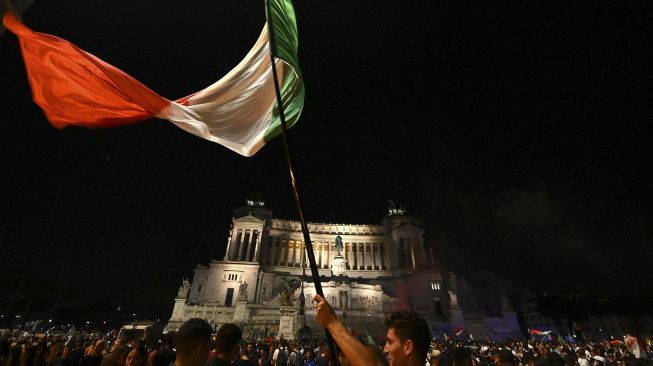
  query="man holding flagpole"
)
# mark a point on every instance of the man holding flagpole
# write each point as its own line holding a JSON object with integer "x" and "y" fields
{"x": 407, "y": 344}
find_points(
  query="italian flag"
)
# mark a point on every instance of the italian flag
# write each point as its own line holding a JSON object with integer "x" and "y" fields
{"x": 239, "y": 111}
{"x": 539, "y": 332}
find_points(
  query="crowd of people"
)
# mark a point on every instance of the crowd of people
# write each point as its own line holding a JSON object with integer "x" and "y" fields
{"x": 408, "y": 342}
{"x": 533, "y": 353}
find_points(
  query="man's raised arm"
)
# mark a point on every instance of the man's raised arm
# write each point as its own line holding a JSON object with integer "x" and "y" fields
{"x": 356, "y": 352}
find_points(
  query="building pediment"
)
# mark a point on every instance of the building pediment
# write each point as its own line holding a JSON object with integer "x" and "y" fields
{"x": 249, "y": 219}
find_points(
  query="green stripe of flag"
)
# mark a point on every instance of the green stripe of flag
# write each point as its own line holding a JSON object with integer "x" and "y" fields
{"x": 281, "y": 17}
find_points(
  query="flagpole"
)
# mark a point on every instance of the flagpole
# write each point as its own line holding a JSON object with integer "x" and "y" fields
{"x": 13, "y": 10}
{"x": 307, "y": 237}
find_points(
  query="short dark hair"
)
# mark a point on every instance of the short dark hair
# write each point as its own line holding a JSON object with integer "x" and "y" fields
{"x": 192, "y": 333}
{"x": 227, "y": 337}
{"x": 410, "y": 325}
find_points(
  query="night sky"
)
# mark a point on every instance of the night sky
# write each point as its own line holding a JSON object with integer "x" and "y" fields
{"x": 518, "y": 132}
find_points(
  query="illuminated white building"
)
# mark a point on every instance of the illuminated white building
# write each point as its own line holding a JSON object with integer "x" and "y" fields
{"x": 366, "y": 271}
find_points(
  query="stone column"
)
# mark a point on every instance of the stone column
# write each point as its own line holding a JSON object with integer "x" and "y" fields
{"x": 259, "y": 282}
{"x": 373, "y": 257}
{"x": 258, "y": 244}
{"x": 328, "y": 263}
{"x": 287, "y": 253}
{"x": 352, "y": 256}
{"x": 226, "y": 254}
{"x": 320, "y": 259}
{"x": 357, "y": 263}
{"x": 298, "y": 258}
{"x": 357, "y": 260}
{"x": 294, "y": 253}
{"x": 364, "y": 255}
{"x": 262, "y": 249}
{"x": 249, "y": 244}
{"x": 250, "y": 254}
{"x": 305, "y": 258}
{"x": 240, "y": 245}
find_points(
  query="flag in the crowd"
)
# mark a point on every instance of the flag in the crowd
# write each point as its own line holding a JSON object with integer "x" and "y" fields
{"x": 239, "y": 111}
{"x": 456, "y": 331}
{"x": 370, "y": 340}
{"x": 539, "y": 332}
{"x": 616, "y": 342}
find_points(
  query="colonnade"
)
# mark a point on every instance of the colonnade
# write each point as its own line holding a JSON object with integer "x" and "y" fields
{"x": 244, "y": 245}
{"x": 359, "y": 256}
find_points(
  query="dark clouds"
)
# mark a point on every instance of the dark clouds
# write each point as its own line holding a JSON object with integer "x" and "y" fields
{"x": 532, "y": 240}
